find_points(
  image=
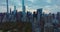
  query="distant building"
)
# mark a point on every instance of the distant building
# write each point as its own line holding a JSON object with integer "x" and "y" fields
{"x": 53, "y": 16}
{"x": 58, "y": 16}
{"x": 55, "y": 24}
{"x": 10, "y": 11}
{"x": 50, "y": 18}
{"x": 39, "y": 16}
{"x": 7, "y": 6}
{"x": 23, "y": 9}
{"x": 15, "y": 11}
{"x": 1, "y": 17}
{"x": 48, "y": 27}
{"x": 23, "y": 6}
{"x": 35, "y": 14}
{"x": 5, "y": 18}
{"x": 42, "y": 22}
{"x": 28, "y": 16}
{"x": 7, "y": 9}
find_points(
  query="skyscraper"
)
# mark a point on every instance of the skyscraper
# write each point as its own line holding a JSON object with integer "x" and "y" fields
{"x": 10, "y": 10}
{"x": 7, "y": 6}
{"x": 23, "y": 9}
{"x": 36, "y": 24}
{"x": 23, "y": 6}
{"x": 14, "y": 9}
{"x": 7, "y": 16}
{"x": 39, "y": 14}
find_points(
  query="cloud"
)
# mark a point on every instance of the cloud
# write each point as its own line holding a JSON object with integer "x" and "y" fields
{"x": 52, "y": 6}
{"x": 52, "y": 9}
{"x": 2, "y": 9}
{"x": 48, "y": 1}
{"x": 31, "y": 0}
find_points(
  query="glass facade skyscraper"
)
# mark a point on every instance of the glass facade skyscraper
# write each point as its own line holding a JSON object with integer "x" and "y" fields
{"x": 7, "y": 6}
{"x": 23, "y": 6}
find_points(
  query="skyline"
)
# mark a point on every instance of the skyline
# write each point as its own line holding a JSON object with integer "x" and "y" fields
{"x": 52, "y": 6}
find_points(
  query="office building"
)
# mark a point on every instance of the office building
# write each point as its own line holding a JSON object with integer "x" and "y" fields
{"x": 23, "y": 9}
{"x": 15, "y": 11}
{"x": 23, "y": 6}
{"x": 48, "y": 27}
{"x": 7, "y": 7}
{"x": 37, "y": 16}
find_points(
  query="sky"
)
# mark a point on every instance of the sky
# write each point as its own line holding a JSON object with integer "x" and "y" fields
{"x": 48, "y": 6}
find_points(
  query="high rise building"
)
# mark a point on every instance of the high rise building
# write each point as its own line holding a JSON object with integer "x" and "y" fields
{"x": 23, "y": 6}
{"x": 48, "y": 27}
{"x": 34, "y": 24}
{"x": 42, "y": 22}
{"x": 23, "y": 9}
{"x": 37, "y": 21}
{"x": 53, "y": 16}
{"x": 14, "y": 7}
{"x": 39, "y": 15}
{"x": 39, "y": 10}
{"x": 15, "y": 10}
{"x": 10, "y": 10}
{"x": 7, "y": 6}
{"x": 7, "y": 9}
{"x": 50, "y": 18}
{"x": 58, "y": 16}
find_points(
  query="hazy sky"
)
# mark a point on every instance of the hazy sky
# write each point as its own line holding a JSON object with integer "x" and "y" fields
{"x": 48, "y": 6}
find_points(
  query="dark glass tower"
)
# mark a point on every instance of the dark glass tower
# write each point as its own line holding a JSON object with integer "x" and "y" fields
{"x": 7, "y": 10}
{"x": 39, "y": 15}
{"x": 15, "y": 10}
{"x": 36, "y": 24}
{"x": 10, "y": 10}
{"x": 7, "y": 6}
{"x": 23, "y": 6}
{"x": 23, "y": 9}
